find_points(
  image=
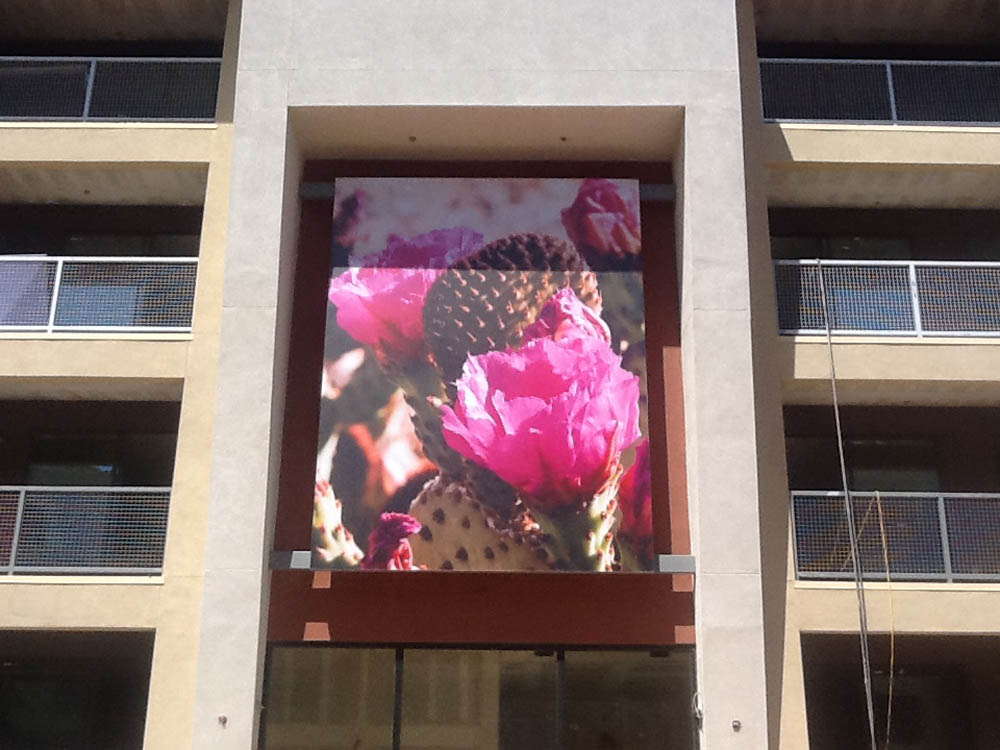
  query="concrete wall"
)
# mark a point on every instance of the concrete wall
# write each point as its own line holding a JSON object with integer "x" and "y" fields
{"x": 322, "y": 79}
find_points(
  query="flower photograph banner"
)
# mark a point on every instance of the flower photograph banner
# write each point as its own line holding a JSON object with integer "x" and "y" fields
{"x": 483, "y": 398}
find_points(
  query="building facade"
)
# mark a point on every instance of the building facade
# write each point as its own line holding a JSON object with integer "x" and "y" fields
{"x": 810, "y": 315}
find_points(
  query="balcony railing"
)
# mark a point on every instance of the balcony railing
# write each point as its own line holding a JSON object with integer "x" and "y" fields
{"x": 893, "y": 298}
{"x": 109, "y": 88}
{"x": 927, "y": 536}
{"x": 86, "y": 530}
{"x": 887, "y": 91}
{"x": 101, "y": 294}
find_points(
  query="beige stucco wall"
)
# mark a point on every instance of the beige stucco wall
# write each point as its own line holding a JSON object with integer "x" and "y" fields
{"x": 144, "y": 367}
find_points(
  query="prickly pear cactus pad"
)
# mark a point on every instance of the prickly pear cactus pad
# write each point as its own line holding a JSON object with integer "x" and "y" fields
{"x": 484, "y": 381}
{"x": 460, "y": 532}
{"x": 333, "y": 543}
{"x": 485, "y": 301}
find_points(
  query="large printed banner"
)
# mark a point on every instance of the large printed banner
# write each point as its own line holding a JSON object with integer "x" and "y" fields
{"x": 484, "y": 378}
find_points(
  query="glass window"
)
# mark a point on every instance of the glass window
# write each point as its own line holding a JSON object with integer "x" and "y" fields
{"x": 82, "y": 304}
{"x": 320, "y": 698}
{"x": 479, "y": 699}
{"x": 628, "y": 700}
{"x": 893, "y": 465}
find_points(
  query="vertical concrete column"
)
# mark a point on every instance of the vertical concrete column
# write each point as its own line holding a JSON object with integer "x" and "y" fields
{"x": 263, "y": 220}
{"x": 722, "y": 440}
{"x": 772, "y": 473}
{"x": 169, "y": 718}
{"x": 794, "y": 724}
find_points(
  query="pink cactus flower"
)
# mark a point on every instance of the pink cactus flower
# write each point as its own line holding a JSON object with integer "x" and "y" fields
{"x": 604, "y": 226}
{"x": 381, "y": 303}
{"x": 550, "y": 418}
{"x": 564, "y": 316}
{"x": 636, "y": 497}
{"x": 388, "y": 547}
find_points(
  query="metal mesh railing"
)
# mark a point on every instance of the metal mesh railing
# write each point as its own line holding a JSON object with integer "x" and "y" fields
{"x": 94, "y": 530}
{"x": 957, "y": 298}
{"x": 96, "y": 294}
{"x": 824, "y": 91}
{"x": 92, "y": 88}
{"x": 41, "y": 89}
{"x": 925, "y": 536}
{"x": 892, "y": 91}
{"x": 912, "y": 298}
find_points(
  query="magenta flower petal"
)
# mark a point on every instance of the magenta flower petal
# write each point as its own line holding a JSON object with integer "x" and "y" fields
{"x": 550, "y": 418}
{"x": 440, "y": 248}
{"x": 604, "y": 226}
{"x": 381, "y": 303}
{"x": 388, "y": 546}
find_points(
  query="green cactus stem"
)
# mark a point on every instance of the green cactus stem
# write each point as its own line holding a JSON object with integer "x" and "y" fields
{"x": 585, "y": 536}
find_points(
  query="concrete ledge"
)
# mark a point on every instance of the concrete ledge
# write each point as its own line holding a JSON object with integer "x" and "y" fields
{"x": 59, "y": 142}
{"x": 955, "y": 372}
{"x": 93, "y": 605}
{"x": 85, "y": 369}
{"x": 959, "y": 609}
{"x": 880, "y": 144}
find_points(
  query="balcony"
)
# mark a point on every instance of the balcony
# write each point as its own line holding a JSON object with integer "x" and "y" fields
{"x": 948, "y": 537}
{"x": 923, "y": 492}
{"x": 88, "y": 530}
{"x": 96, "y": 294}
{"x": 888, "y": 298}
{"x": 98, "y": 89}
{"x": 85, "y": 486}
{"x": 896, "y": 92}
{"x": 97, "y": 269}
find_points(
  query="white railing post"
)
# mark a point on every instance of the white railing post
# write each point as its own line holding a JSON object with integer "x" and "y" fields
{"x": 17, "y": 529}
{"x": 793, "y": 522}
{"x": 56, "y": 283}
{"x": 945, "y": 544}
{"x": 892, "y": 90}
{"x": 918, "y": 324}
{"x": 91, "y": 73}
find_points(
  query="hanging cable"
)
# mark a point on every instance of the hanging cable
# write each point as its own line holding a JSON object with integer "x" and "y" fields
{"x": 892, "y": 620}
{"x": 859, "y": 584}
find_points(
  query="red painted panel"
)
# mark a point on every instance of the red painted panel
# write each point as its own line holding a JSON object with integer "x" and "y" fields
{"x": 479, "y": 608}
